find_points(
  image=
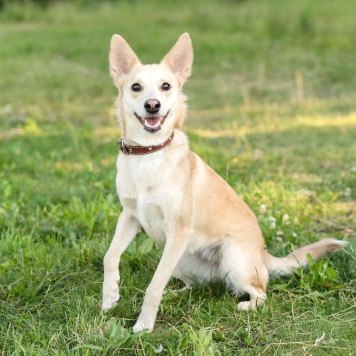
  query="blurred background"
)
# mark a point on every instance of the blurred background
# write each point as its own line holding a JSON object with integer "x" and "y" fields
{"x": 246, "y": 52}
{"x": 271, "y": 109}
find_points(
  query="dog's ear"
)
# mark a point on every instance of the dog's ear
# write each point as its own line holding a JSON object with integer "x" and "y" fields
{"x": 180, "y": 57}
{"x": 121, "y": 57}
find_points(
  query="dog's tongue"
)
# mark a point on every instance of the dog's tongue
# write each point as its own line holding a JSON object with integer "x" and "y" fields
{"x": 152, "y": 121}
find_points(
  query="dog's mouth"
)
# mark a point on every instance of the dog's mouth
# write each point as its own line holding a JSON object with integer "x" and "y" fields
{"x": 152, "y": 123}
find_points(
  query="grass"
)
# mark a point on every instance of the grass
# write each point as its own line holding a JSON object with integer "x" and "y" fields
{"x": 271, "y": 110}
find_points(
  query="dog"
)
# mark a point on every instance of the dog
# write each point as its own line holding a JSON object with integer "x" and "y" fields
{"x": 207, "y": 230}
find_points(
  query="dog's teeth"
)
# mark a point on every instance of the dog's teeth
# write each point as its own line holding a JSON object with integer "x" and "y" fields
{"x": 153, "y": 126}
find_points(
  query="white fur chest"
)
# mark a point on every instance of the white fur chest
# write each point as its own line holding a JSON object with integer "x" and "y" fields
{"x": 145, "y": 185}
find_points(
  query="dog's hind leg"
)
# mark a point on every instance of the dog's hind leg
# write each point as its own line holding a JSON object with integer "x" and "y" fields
{"x": 194, "y": 269}
{"x": 126, "y": 230}
{"x": 190, "y": 269}
{"x": 243, "y": 269}
{"x": 179, "y": 274}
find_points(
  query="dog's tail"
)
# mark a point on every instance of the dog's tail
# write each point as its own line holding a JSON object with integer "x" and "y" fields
{"x": 286, "y": 265}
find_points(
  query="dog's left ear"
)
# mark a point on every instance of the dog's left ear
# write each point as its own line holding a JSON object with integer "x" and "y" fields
{"x": 180, "y": 57}
{"x": 121, "y": 57}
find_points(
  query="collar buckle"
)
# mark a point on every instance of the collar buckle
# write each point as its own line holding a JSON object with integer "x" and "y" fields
{"x": 122, "y": 146}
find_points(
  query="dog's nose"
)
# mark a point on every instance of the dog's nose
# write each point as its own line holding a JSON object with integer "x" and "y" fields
{"x": 152, "y": 106}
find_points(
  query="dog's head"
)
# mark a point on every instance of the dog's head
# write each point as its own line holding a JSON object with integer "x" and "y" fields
{"x": 151, "y": 103}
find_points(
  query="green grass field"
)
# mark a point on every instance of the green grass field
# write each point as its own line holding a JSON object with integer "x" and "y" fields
{"x": 272, "y": 110}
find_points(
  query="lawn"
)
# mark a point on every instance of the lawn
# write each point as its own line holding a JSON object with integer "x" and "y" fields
{"x": 272, "y": 110}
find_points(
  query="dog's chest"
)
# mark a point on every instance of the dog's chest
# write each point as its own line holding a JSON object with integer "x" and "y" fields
{"x": 144, "y": 189}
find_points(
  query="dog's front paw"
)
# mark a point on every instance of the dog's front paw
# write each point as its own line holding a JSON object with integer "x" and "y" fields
{"x": 111, "y": 296}
{"x": 109, "y": 302}
{"x": 142, "y": 325}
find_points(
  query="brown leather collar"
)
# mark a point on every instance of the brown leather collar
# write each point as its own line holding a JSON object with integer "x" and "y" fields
{"x": 143, "y": 150}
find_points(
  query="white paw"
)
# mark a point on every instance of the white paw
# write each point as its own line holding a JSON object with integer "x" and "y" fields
{"x": 246, "y": 306}
{"x": 142, "y": 325}
{"x": 109, "y": 302}
{"x": 111, "y": 296}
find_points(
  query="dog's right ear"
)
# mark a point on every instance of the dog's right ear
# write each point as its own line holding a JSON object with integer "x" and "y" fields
{"x": 121, "y": 57}
{"x": 180, "y": 57}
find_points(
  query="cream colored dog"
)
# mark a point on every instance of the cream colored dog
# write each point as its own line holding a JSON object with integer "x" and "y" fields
{"x": 208, "y": 232}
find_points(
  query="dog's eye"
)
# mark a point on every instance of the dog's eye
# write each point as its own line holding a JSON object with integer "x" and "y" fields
{"x": 166, "y": 86}
{"x": 136, "y": 87}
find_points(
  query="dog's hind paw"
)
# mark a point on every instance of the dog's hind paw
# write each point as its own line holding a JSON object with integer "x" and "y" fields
{"x": 246, "y": 306}
{"x": 177, "y": 292}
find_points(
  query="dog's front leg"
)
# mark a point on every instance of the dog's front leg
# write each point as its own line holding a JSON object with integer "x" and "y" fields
{"x": 175, "y": 246}
{"x": 126, "y": 229}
